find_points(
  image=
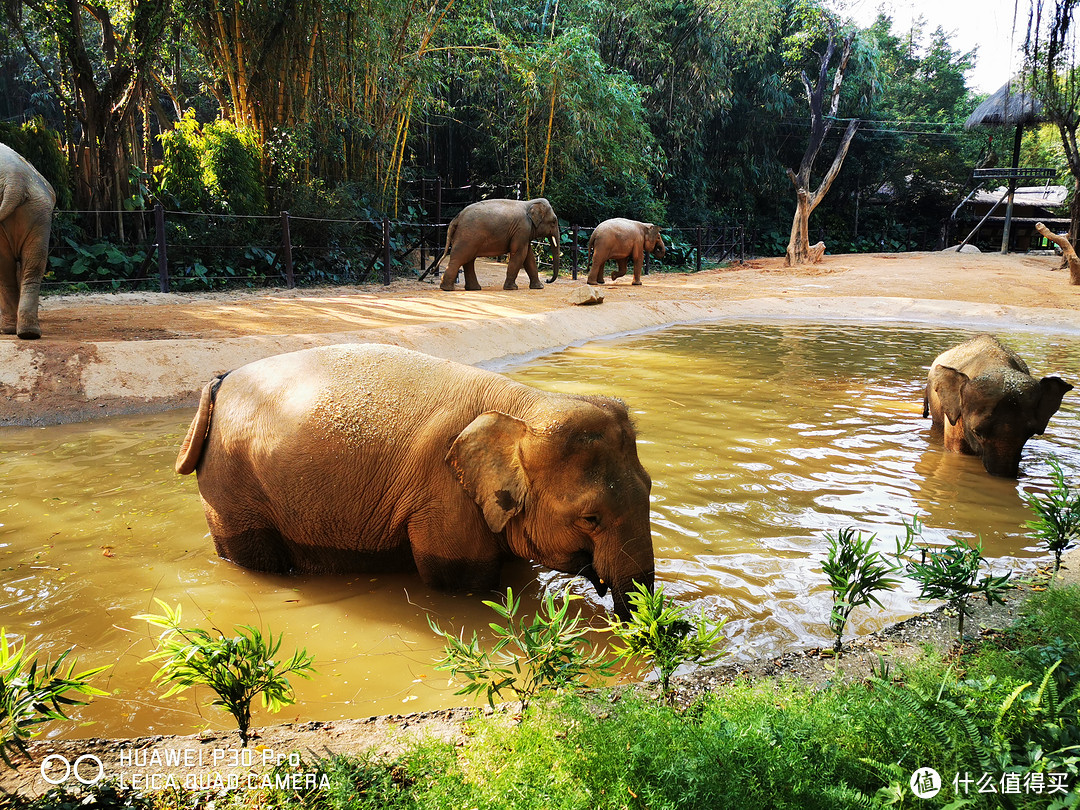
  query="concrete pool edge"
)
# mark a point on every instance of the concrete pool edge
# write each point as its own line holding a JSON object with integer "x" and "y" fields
{"x": 57, "y": 382}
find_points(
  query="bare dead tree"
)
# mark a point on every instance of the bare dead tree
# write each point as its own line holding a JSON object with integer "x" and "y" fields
{"x": 799, "y": 250}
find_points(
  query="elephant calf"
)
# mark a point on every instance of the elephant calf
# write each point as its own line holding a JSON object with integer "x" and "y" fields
{"x": 985, "y": 402}
{"x": 371, "y": 457}
{"x": 26, "y": 208}
{"x": 621, "y": 239}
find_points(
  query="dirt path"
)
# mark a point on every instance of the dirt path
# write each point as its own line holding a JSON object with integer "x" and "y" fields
{"x": 106, "y": 354}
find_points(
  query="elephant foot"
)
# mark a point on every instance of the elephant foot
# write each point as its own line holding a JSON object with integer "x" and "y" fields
{"x": 29, "y": 331}
{"x": 635, "y": 283}
{"x": 7, "y": 330}
{"x": 595, "y": 283}
{"x": 536, "y": 285}
{"x": 616, "y": 275}
{"x": 472, "y": 287}
{"x": 509, "y": 285}
{"x": 445, "y": 287}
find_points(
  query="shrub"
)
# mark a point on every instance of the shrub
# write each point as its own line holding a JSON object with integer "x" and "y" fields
{"x": 1057, "y": 515}
{"x": 237, "y": 669}
{"x": 31, "y": 694}
{"x": 951, "y": 574}
{"x": 666, "y": 634}
{"x": 544, "y": 653}
{"x": 855, "y": 575}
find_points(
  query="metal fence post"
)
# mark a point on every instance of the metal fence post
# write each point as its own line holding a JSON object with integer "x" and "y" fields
{"x": 286, "y": 244}
{"x": 697, "y": 261}
{"x": 162, "y": 258}
{"x": 574, "y": 252}
{"x": 386, "y": 251}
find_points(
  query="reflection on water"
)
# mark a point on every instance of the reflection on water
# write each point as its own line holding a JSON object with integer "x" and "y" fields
{"x": 759, "y": 439}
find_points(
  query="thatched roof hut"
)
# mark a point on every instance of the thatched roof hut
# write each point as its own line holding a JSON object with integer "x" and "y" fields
{"x": 1009, "y": 106}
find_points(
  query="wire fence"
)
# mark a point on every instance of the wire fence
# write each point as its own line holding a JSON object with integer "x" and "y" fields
{"x": 187, "y": 251}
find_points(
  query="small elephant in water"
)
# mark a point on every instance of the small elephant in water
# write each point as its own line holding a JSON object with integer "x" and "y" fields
{"x": 985, "y": 402}
{"x": 495, "y": 227}
{"x": 370, "y": 457}
{"x": 26, "y": 208}
{"x": 621, "y": 239}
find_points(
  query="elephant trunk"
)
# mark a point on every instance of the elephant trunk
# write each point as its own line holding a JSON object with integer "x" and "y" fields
{"x": 555, "y": 256}
{"x": 620, "y": 591}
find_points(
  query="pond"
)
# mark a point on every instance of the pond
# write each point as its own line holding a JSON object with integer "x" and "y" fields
{"x": 760, "y": 439}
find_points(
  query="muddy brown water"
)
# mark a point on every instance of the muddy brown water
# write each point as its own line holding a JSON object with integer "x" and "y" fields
{"x": 760, "y": 438}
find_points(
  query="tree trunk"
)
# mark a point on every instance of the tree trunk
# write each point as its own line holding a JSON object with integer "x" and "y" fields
{"x": 1067, "y": 251}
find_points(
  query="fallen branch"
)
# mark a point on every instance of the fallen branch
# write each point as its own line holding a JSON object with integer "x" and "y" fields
{"x": 1067, "y": 251}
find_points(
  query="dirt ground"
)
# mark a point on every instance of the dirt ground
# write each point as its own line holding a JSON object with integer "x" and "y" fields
{"x": 105, "y": 354}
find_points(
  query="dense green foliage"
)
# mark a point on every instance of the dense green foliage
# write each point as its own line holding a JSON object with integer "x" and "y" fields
{"x": 682, "y": 111}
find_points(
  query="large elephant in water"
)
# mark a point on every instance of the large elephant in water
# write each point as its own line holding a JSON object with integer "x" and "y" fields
{"x": 495, "y": 227}
{"x": 618, "y": 240}
{"x": 369, "y": 457}
{"x": 984, "y": 402}
{"x": 26, "y": 208}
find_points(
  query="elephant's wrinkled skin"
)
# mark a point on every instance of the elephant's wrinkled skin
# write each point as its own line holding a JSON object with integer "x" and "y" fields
{"x": 26, "y": 207}
{"x": 368, "y": 457}
{"x": 495, "y": 227}
{"x": 621, "y": 239}
{"x": 984, "y": 402}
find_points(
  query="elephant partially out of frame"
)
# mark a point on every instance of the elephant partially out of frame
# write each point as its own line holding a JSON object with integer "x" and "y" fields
{"x": 370, "y": 457}
{"x": 26, "y": 208}
{"x": 495, "y": 227}
{"x": 619, "y": 240}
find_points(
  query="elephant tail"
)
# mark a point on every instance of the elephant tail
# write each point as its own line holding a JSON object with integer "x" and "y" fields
{"x": 12, "y": 195}
{"x": 191, "y": 450}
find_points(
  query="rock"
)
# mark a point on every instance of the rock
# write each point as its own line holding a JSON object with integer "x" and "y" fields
{"x": 964, "y": 249}
{"x": 585, "y": 295}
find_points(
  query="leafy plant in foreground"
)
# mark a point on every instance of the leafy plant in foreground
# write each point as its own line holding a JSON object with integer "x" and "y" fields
{"x": 855, "y": 575}
{"x": 664, "y": 632}
{"x": 237, "y": 669}
{"x": 951, "y": 573}
{"x": 530, "y": 656}
{"x": 31, "y": 694}
{"x": 1056, "y": 521}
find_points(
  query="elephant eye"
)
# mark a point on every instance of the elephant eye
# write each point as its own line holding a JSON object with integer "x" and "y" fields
{"x": 592, "y": 521}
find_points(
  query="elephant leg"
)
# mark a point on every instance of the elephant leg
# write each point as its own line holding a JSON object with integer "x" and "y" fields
{"x": 514, "y": 264}
{"x": 449, "y": 279}
{"x": 637, "y": 269}
{"x": 621, "y": 271}
{"x": 9, "y": 294}
{"x": 470, "y": 562}
{"x": 596, "y": 274}
{"x": 260, "y": 549}
{"x": 35, "y": 257}
{"x": 534, "y": 274}
{"x": 471, "y": 282}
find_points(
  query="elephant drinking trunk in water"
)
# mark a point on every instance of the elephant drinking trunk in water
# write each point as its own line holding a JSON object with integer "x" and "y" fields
{"x": 371, "y": 457}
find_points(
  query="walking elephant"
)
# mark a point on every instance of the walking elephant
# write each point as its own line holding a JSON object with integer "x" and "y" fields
{"x": 26, "y": 207}
{"x": 495, "y": 227}
{"x": 371, "y": 457}
{"x": 621, "y": 239}
{"x": 984, "y": 402}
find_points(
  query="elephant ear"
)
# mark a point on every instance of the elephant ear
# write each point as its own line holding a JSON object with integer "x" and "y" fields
{"x": 486, "y": 460}
{"x": 536, "y": 212}
{"x": 947, "y": 383}
{"x": 1051, "y": 390}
